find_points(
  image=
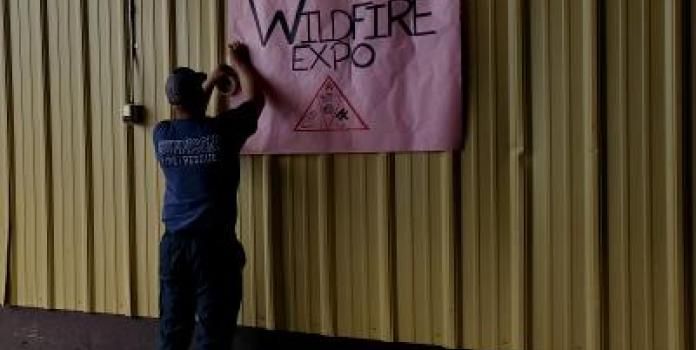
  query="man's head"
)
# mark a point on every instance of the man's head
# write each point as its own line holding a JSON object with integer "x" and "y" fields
{"x": 185, "y": 91}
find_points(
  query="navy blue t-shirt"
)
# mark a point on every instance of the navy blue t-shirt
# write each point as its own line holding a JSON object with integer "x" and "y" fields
{"x": 200, "y": 161}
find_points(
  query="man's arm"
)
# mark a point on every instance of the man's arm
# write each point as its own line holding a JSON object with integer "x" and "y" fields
{"x": 250, "y": 83}
{"x": 209, "y": 85}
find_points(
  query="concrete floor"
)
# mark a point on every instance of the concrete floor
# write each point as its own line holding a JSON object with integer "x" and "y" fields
{"x": 30, "y": 329}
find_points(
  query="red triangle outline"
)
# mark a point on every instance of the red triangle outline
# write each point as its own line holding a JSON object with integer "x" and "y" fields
{"x": 327, "y": 128}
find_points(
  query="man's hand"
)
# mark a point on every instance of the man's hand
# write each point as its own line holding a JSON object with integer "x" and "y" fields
{"x": 220, "y": 73}
{"x": 225, "y": 79}
{"x": 239, "y": 60}
{"x": 238, "y": 54}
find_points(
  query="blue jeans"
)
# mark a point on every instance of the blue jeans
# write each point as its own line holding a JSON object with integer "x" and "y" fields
{"x": 200, "y": 288}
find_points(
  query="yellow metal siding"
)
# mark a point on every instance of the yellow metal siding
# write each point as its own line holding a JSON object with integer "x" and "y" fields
{"x": 69, "y": 173}
{"x": 255, "y": 228}
{"x": 5, "y": 149}
{"x": 564, "y": 189}
{"x": 110, "y": 246}
{"x": 692, "y": 145}
{"x": 31, "y": 243}
{"x": 492, "y": 255}
{"x": 424, "y": 265}
{"x": 152, "y": 66}
{"x": 528, "y": 239}
{"x": 644, "y": 176}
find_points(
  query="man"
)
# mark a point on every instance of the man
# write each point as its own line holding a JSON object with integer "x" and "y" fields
{"x": 201, "y": 259}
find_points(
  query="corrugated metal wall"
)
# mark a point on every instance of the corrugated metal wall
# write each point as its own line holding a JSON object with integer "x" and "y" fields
{"x": 691, "y": 150}
{"x": 5, "y": 161}
{"x": 32, "y": 219}
{"x": 562, "y": 225}
{"x": 644, "y": 189}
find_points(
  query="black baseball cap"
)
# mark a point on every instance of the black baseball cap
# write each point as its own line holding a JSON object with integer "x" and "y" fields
{"x": 185, "y": 86}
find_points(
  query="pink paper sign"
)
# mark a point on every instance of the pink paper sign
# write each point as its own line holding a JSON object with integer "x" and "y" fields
{"x": 355, "y": 76}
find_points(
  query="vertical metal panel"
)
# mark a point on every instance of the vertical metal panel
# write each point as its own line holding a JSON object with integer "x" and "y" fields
{"x": 303, "y": 245}
{"x": 69, "y": 138}
{"x": 369, "y": 204}
{"x": 381, "y": 243}
{"x": 293, "y": 218}
{"x": 619, "y": 305}
{"x": 584, "y": 62}
{"x": 493, "y": 182}
{"x": 565, "y": 274}
{"x": 31, "y": 250}
{"x": 692, "y": 150}
{"x": 471, "y": 296}
{"x": 630, "y": 319}
{"x": 6, "y": 134}
{"x": 319, "y": 253}
{"x": 59, "y": 93}
{"x": 152, "y": 67}
{"x": 668, "y": 70}
{"x": 260, "y": 226}
{"x": 255, "y": 227}
{"x": 424, "y": 266}
{"x": 515, "y": 327}
{"x": 645, "y": 253}
{"x": 197, "y": 33}
{"x": 109, "y": 245}
{"x": 357, "y": 255}
{"x": 200, "y": 36}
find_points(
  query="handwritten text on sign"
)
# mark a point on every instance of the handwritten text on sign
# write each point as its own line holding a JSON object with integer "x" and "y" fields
{"x": 361, "y": 24}
{"x": 355, "y": 76}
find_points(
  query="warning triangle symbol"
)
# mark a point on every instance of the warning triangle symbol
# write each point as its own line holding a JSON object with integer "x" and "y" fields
{"x": 330, "y": 110}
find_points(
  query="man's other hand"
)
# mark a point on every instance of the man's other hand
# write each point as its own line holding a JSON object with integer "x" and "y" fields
{"x": 238, "y": 54}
